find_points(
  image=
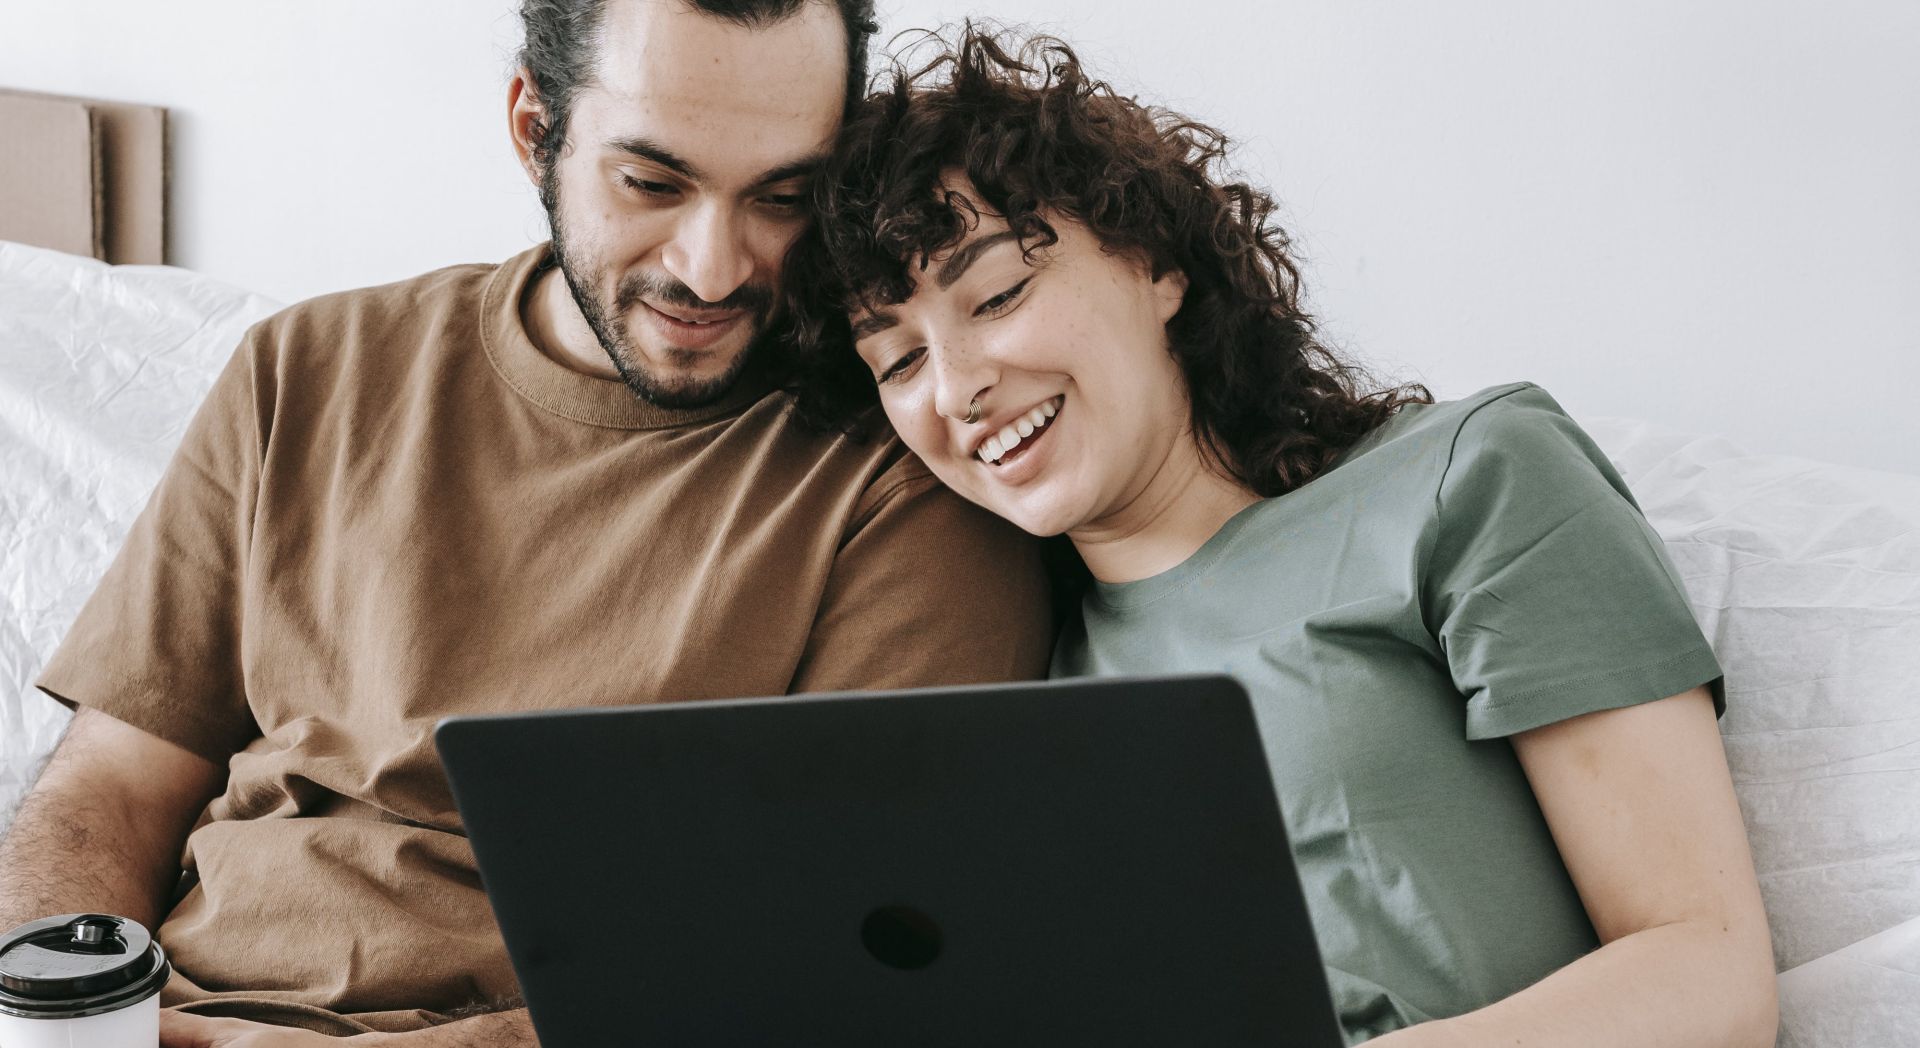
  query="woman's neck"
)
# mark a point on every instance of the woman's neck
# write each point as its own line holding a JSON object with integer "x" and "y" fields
{"x": 1183, "y": 504}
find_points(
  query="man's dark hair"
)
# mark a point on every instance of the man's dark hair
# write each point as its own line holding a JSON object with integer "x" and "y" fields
{"x": 1035, "y": 134}
{"x": 562, "y": 45}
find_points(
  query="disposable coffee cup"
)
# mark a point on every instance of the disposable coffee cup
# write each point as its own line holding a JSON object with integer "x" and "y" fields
{"x": 83, "y": 980}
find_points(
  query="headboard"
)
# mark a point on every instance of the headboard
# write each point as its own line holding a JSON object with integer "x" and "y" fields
{"x": 84, "y": 176}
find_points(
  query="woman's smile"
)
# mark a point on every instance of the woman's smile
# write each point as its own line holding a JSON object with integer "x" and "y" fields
{"x": 1011, "y": 442}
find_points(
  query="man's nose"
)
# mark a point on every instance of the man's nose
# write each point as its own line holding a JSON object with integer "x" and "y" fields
{"x": 709, "y": 254}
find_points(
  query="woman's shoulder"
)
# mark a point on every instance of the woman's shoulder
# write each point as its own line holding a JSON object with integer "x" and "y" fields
{"x": 1512, "y": 451}
{"x": 1505, "y": 441}
{"x": 1519, "y": 430}
{"x": 1433, "y": 433}
{"x": 1447, "y": 418}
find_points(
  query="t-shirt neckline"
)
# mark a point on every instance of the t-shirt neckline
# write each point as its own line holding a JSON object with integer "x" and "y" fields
{"x": 1140, "y": 592}
{"x": 1124, "y": 595}
{"x": 558, "y": 389}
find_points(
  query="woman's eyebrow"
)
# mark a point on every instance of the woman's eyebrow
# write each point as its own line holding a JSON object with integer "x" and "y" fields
{"x": 873, "y": 323}
{"x": 952, "y": 269}
{"x": 948, "y": 272}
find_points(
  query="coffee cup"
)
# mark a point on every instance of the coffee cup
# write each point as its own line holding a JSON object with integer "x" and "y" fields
{"x": 82, "y": 980}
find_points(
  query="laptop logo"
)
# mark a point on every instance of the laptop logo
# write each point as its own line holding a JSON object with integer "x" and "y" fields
{"x": 901, "y": 937}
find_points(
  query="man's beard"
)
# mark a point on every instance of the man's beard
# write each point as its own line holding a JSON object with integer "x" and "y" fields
{"x": 609, "y": 323}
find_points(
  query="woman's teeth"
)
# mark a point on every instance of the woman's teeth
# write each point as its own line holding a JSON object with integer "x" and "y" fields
{"x": 1010, "y": 436}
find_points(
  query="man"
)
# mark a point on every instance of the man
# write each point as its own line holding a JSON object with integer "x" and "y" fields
{"x": 565, "y": 480}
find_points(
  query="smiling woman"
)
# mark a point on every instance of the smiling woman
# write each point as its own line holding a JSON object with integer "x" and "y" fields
{"x": 1014, "y": 151}
{"x": 1488, "y": 710}
{"x": 1016, "y": 332}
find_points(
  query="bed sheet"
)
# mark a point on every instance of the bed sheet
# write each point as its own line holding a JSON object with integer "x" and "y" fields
{"x": 100, "y": 368}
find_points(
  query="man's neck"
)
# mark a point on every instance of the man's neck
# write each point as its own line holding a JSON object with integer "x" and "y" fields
{"x": 557, "y": 329}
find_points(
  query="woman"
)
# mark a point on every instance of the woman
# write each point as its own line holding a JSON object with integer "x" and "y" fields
{"x": 1488, "y": 710}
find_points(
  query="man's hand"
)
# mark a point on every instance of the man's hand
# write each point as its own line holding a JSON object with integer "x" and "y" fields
{"x": 506, "y": 1029}
{"x": 185, "y": 1030}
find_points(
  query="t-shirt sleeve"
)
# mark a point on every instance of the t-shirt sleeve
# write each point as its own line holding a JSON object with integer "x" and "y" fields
{"x": 928, "y": 590}
{"x": 157, "y": 645}
{"x": 1549, "y": 593}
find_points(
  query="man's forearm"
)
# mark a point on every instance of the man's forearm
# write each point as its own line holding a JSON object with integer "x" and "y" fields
{"x": 74, "y": 848}
{"x": 511, "y": 1029}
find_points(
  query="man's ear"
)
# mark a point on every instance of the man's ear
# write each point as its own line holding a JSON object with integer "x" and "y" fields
{"x": 1169, "y": 293}
{"x": 526, "y": 123}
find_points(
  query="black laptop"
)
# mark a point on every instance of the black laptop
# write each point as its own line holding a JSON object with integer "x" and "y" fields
{"x": 1095, "y": 862}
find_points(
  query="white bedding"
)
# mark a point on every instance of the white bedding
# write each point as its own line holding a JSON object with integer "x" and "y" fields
{"x": 1806, "y": 576}
{"x": 100, "y": 367}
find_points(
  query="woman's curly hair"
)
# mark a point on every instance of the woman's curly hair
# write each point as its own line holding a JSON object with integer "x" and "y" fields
{"x": 1035, "y": 135}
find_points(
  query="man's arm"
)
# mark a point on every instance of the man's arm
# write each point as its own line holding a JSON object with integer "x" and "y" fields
{"x": 103, "y": 829}
{"x": 1642, "y": 806}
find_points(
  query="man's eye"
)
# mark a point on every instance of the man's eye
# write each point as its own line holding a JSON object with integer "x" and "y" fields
{"x": 641, "y": 185}
{"x": 1000, "y": 302}
{"x": 784, "y": 201}
{"x": 899, "y": 368}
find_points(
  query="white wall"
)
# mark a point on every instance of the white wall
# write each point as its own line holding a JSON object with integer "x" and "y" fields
{"x": 316, "y": 144}
{"x": 1701, "y": 213}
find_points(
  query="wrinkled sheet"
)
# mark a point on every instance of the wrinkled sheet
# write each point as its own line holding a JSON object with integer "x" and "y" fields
{"x": 1866, "y": 994}
{"x": 100, "y": 368}
{"x": 1805, "y": 575}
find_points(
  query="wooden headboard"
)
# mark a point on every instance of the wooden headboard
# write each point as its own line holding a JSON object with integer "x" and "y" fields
{"x": 83, "y": 176}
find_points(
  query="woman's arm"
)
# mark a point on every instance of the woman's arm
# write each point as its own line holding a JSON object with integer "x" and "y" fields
{"x": 1642, "y": 807}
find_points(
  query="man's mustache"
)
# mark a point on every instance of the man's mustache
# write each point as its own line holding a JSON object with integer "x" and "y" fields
{"x": 749, "y": 298}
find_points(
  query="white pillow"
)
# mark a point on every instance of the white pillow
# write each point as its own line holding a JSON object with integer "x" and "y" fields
{"x": 1806, "y": 577}
{"x": 100, "y": 368}
{"x": 1861, "y": 995}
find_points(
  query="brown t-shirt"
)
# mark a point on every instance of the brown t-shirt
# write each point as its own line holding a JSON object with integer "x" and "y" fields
{"x": 392, "y": 507}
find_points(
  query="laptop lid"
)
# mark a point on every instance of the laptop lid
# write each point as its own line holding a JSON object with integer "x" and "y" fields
{"x": 1071, "y": 862}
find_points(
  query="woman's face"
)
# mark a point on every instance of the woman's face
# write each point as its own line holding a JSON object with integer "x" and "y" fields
{"x": 1065, "y": 355}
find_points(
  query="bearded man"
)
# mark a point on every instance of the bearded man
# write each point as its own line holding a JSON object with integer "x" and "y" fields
{"x": 568, "y": 479}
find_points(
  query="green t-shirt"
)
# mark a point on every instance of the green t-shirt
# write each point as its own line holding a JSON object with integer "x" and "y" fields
{"x": 1468, "y": 571}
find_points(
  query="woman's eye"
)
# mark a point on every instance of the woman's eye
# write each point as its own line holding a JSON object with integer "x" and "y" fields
{"x": 1000, "y": 302}
{"x": 899, "y": 368}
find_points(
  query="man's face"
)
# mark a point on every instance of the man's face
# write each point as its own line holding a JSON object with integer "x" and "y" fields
{"x": 682, "y": 184}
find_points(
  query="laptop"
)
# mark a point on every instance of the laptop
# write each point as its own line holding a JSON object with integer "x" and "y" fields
{"x": 1083, "y": 862}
